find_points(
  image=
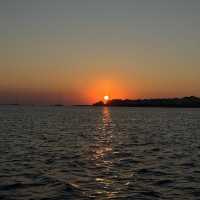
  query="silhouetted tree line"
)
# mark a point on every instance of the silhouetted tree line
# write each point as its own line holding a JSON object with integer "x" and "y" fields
{"x": 191, "y": 101}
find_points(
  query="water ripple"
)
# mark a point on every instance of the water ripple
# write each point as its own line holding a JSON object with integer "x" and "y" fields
{"x": 99, "y": 153}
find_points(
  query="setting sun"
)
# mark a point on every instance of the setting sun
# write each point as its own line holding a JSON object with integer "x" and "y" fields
{"x": 106, "y": 98}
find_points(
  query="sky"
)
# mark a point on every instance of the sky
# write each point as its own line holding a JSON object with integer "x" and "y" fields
{"x": 77, "y": 51}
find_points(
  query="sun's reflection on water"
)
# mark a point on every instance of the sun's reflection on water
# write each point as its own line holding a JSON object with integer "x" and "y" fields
{"x": 102, "y": 156}
{"x": 103, "y": 136}
{"x": 106, "y": 117}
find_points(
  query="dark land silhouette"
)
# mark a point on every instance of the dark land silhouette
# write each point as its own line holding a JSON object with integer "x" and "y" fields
{"x": 191, "y": 101}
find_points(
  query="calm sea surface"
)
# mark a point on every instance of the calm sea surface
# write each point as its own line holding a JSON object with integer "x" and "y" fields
{"x": 56, "y": 153}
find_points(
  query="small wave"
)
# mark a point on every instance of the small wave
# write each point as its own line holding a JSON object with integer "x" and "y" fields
{"x": 129, "y": 160}
{"x": 164, "y": 182}
{"x": 145, "y": 171}
{"x": 188, "y": 164}
{"x": 151, "y": 194}
{"x": 196, "y": 193}
{"x": 14, "y": 186}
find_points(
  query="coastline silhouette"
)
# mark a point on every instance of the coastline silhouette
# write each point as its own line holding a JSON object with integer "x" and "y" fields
{"x": 191, "y": 101}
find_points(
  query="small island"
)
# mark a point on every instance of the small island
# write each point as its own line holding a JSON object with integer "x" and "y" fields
{"x": 190, "y": 102}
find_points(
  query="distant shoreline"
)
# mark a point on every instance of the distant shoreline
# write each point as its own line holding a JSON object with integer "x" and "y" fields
{"x": 185, "y": 102}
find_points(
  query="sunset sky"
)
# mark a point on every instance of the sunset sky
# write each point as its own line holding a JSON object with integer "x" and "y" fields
{"x": 77, "y": 51}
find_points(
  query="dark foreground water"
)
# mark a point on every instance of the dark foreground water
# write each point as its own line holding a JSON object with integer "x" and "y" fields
{"x": 56, "y": 153}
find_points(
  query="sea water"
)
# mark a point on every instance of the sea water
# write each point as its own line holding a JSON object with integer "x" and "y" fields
{"x": 100, "y": 153}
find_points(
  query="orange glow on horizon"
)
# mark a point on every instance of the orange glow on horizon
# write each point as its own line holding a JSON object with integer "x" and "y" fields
{"x": 107, "y": 89}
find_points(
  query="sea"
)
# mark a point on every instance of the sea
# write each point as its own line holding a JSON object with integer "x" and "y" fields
{"x": 99, "y": 153}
